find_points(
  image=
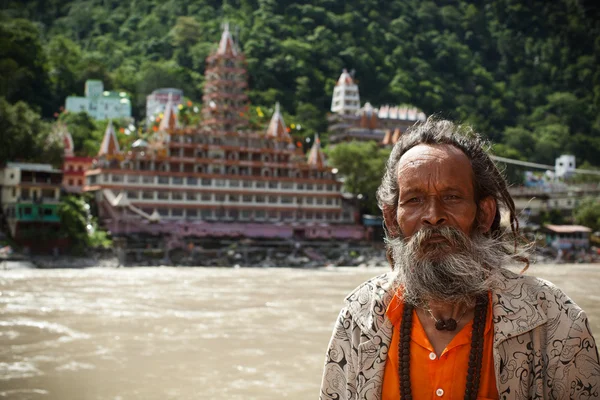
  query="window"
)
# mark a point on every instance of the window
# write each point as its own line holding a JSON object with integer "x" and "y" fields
{"x": 206, "y": 181}
{"x": 219, "y": 183}
{"x": 190, "y": 196}
{"x": 117, "y": 178}
{"x": 162, "y": 195}
{"x": 259, "y": 199}
{"x": 206, "y": 214}
{"x": 133, "y": 178}
{"x": 300, "y": 186}
{"x": 309, "y": 186}
{"x": 177, "y": 212}
{"x": 220, "y": 197}
{"x": 330, "y": 188}
{"x": 273, "y": 199}
{"x": 148, "y": 179}
{"x": 70, "y": 182}
{"x": 273, "y": 214}
{"x": 234, "y": 198}
{"x": 287, "y": 199}
{"x": 132, "y": 195}
{"x": 92, "y": 179}
{"x": 273, "y": 185}
{"x": 47, "y": 212}
{"x": 247, "y": 198}
{"x": 192, "y": 213}
{"x": 259, "y": 214}
{"x": 329, "y": 201}
{"x": 192, "y": 181}
{"x": 247, "y": 184}
{"x": 234, "y": 183}
{"x": 319, "y": 187}
{"x": 163, "y": 180}
{"x": 206, "y": 197}
{"x": 48, "y": 193}
{"x": 246, "y": 214}
{"x": 319, "y": 200}
{"x": 261, "y": 185}
{"x": 177, "y": 180}
{"x": 163, "y": 212}
{"x": 148, "y": 195}
{"x": 177, "y": 196}
{"x": 287, "y": 185}
{"x": 308, "y": 200}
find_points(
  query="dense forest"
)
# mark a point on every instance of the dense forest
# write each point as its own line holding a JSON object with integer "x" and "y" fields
{"x": 525, "y": 74}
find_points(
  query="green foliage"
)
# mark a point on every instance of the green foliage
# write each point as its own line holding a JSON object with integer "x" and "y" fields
{"x": 23, "y": 64}
{"x": 587, "y": 213}
{"x": 525, "y": 74}
{"x": 362, "y": 165}
{"x": 24, "y": 136}
{"x": 79, "y": 226}
{"x": 552, "y": 216}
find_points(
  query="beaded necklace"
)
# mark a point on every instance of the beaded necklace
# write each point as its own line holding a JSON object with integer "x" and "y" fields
{"x": 475, "y": 355}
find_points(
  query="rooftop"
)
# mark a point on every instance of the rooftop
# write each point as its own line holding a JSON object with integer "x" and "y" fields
{"x": 567, "y": 228}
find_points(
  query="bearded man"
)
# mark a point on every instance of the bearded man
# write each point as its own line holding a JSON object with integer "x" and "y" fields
{"x": 450, "y": 321}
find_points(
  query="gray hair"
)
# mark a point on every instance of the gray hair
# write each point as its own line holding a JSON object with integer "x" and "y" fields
{"x": 487, "y": 179}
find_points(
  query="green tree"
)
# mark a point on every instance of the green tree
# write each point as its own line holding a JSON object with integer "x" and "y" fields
{"x": 25, "y": 136}
{"x": 79, "y": 225}
{"x": 361, "y": 165}
{"x": 587, "y": 213}
{"x": 23, "y": 65}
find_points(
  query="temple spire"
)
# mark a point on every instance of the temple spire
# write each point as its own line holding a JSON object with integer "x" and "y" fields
{"x": 110, "y": 144}
{"x": 277, "y": 128}
{"x": 169, "y": 120}
{"x": 316, "y": 158}
{"x": 227, "y": 45}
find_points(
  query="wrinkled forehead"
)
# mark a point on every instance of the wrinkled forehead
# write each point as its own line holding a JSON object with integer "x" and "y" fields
{"x": 441, "y": 164}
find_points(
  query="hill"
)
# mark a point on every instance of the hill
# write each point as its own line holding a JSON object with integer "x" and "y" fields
{"x": 526, "y": 74}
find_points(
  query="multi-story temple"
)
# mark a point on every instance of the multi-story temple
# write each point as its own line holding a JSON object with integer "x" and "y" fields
{"x": 220, "y": 178}
{"x": 349, "y": 121}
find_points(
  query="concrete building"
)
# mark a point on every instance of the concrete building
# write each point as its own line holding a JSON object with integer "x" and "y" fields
{"x": 349, "y": 121}
{"x": 30, "y": 200}
{"x": 220, "y": 179}
{"x": 567, "y": 237}
{"x": 100, "y": 104}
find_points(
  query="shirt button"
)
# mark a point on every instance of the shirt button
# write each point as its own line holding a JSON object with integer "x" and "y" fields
{"x": 439, "y": 392}
{"x": 432, "y": 356}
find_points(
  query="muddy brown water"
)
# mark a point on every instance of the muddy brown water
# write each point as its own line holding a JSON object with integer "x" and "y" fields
{"x": 187, "y": 333}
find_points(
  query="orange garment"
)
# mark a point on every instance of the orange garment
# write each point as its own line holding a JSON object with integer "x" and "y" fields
{"x": 434, "y": 377}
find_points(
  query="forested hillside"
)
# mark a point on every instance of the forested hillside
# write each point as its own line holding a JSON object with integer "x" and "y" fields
{"x": 526, "y": 74}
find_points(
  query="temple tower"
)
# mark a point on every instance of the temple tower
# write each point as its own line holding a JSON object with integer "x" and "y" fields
{"x": 225, "y": 103}
{"x": 346, "y": 99}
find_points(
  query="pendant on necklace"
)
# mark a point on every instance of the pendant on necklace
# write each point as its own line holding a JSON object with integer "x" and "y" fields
{"x": 448, "y": 325}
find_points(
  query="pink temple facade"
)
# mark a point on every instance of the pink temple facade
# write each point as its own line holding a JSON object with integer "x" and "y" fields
{"x": 220, "y": 178}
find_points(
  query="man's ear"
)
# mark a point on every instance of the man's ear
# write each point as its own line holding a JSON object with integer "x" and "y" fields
{"x": 391, "y": 221}
{"x": 487, "y": 213}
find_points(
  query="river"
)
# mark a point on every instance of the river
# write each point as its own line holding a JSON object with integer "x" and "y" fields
{"x": 187, "y": 333}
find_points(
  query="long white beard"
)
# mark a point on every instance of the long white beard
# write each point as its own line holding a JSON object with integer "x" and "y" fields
{"x": 455, "y": 270}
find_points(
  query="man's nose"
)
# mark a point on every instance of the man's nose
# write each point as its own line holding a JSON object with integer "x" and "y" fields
{"x": 434, "y": 214}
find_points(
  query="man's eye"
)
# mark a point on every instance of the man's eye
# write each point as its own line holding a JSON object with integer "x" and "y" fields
{"x": 414, "y": 200}
{"x": 452, "y": 197}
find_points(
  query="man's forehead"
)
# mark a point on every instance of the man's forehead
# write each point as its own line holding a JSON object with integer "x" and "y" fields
{"x": 446, "y": 159}
{"x": 425, "y": 154}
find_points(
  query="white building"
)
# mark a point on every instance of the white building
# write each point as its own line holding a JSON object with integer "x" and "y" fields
{"x": 158, "y": 99}
{"x": 346, "y": 99}
{"x": 564, "y": 166}
{"x": 100, "y": 104}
